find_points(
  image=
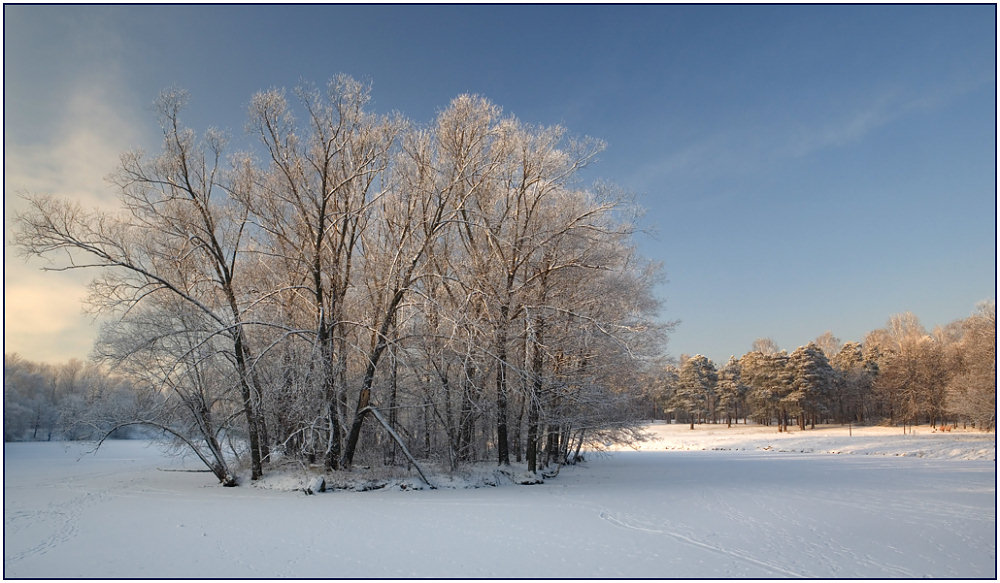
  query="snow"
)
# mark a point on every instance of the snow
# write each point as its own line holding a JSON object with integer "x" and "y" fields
{"x": 923, "y": 441}
{"x": 744, "y": 502}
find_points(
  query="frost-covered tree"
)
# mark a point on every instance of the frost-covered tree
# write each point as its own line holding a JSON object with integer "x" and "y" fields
{"x": 812, "y": 384}
{"x": 179, "y": 370}
{"x": 180, "y": 234}
{"x": 854, "y": 377}
{"x": 30, "y": 408}
{"x": 912, "y": 374}
{"x": 971, "y": 391}
{"x": 313, "y": 202}
{"x": 828, "y": 343}
{"x": 770, "y": 381}
{"x": 696, "y": 386}
{"x": 765, "y": 346}
{"x": 71, "y": 401}
{"x": 731, "y": 391}
{"x": 454, "y": 281}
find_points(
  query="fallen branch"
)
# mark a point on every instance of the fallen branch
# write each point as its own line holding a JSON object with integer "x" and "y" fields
{"x": 395, "y": 436}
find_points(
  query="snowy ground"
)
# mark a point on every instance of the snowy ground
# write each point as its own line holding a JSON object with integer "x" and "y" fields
{"x": 714, "y": 502}
{"x": 921, "y": 441}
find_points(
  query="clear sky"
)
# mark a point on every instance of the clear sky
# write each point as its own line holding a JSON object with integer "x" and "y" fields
{"x": 804, "y": 168}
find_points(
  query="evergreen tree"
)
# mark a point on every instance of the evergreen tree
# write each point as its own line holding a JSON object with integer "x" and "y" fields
{"x": 731, "y": 391}
{"x": 812, "y": 383}
{"x": 852, "y": 386}
{"x": 695, "y": 388}
{"x": 770, "y": 382}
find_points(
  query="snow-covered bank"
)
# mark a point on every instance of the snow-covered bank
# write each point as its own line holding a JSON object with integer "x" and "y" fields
{"x": 920, "y": 441}
{"x": 663, "y": 514}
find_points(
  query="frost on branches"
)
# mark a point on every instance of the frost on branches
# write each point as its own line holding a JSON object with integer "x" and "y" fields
{"x": 455, "y": 278}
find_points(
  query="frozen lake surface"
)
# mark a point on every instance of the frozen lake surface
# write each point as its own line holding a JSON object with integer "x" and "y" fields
{"x": 710, "y": 503}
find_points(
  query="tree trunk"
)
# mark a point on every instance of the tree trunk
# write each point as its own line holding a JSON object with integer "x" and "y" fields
{"x": 533, "y": 397}
{"x": 333, "y": 449}
{"x": 531, "y": 444}
{"x": 551, "y": 444}
{"x": 579, "y": 444}
{"x": 503, "y": 452}
{"x": 256, "y": 468}
{"x": 516, "y": 441}
{"x": 380, "y": 342}
{"x": 427, "y": 423}
{"x": 393, "y": 415}
{"x": 402, "y": 446}
{"x": 467, "y": 419}
{"x": 359, "y": 417}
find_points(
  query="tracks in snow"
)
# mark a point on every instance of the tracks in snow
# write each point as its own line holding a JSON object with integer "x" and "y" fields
{"x": 631, "y": 523}
{"x": 60, "y": 519}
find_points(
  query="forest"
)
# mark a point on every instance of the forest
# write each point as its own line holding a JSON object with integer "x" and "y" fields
{"x": 358, "y": 289}
{"x": 899, "y": 375}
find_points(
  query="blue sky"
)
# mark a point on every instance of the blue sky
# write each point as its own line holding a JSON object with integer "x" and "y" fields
{"x": 804, "y": 168}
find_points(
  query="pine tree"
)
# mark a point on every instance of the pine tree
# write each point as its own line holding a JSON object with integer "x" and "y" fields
{"x": 695, "y": 387}
{"x": 853, "y": 379}
{"x": 731, "y": 390}
{"x": 812, "y": 383}
{"x": 770, "y": 382}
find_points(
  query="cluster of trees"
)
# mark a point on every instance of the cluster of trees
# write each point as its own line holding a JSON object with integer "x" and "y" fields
{"x": 42, "y": 402}
{"x": 899, "y": 374}
{"x": 453, "y": 281}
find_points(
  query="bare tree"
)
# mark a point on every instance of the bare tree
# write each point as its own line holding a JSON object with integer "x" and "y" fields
{"x": 765, "y": 346}
{"x": 829, "y": 344}
{"x": 433, "y": 180}
{"x": 313, "y": 205}
{"x": 180, "y": 234}
{"x": 971, "y": 392}
{"x": 177, "y": 364}
{"x": 456, "y": 277}
{"x": 912, "y": 375}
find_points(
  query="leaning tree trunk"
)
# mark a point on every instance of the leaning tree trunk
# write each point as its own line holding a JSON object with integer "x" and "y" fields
{"x": 381, "y": 342}
{"x": 253, "y": 425}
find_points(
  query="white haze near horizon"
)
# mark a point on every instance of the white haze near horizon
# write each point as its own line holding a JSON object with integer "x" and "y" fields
{"x": 745, "y": 502}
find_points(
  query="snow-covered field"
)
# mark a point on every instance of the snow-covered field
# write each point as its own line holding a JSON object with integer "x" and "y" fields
{"x": 714, "y": 502}
{"x": 921, "y": 441}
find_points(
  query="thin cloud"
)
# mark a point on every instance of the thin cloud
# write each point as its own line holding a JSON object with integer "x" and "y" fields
{"x": 748, "y": 148}
{"x": 846, "y": 129}
{"x": 91, "y": 136}
{"x": 43, "y": 316}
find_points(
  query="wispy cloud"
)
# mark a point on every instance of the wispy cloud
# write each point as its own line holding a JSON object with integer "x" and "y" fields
{"x": 92, "y": 132}
{"x": 43, "y": 317}
{"x": 849, "y": 127}
{"x": 779, "y": 138}
{"x": 854, "y": 125}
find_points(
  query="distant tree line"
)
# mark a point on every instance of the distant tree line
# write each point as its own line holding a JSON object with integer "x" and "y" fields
{"x": 900, "y": 374}
{"x": 355, "y": 286}
{"x": 45, "y": 402}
